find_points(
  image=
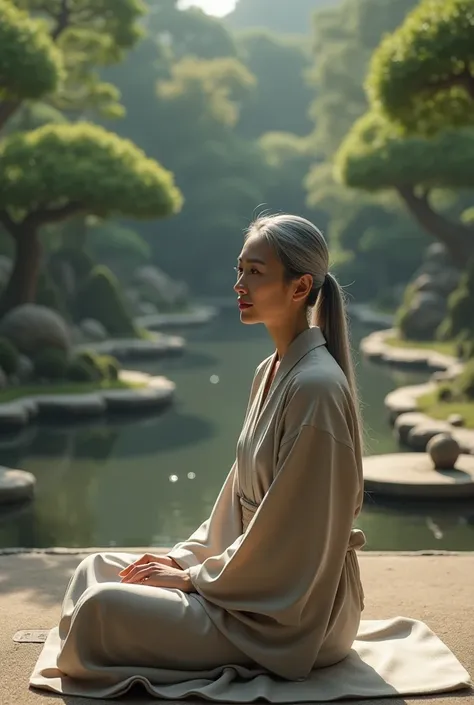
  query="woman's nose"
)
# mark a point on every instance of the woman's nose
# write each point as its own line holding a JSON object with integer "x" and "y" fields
{"x": 239, "y": 287}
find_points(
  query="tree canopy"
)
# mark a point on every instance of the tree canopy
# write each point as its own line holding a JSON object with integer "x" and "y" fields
{"x": 422, "y": 75}
{"x": 412, "y": 139}
{"x": 30, "y": 64}
{"x": 50, "y": 173}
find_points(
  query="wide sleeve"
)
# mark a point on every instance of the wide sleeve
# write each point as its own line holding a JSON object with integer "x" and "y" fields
{"x": 218, "y": 532}
{"x": 290, "y": 559}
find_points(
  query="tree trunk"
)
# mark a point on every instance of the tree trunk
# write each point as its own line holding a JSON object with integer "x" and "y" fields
{"x": 21, "y": 287}
{"x": 456, "y": 237}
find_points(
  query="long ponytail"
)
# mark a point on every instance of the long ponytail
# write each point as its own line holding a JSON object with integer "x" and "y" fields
{"x": 330, "y": 315}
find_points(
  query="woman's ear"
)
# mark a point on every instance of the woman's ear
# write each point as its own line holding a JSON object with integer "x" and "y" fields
{"x": 303, "y": 288}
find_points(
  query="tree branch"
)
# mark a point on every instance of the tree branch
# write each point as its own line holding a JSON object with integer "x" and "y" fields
{"x": 62, "y": 20}
{"x": 52, "y": 215}
{"x": 465, "y": 79}
{"x": 456, "y": 237}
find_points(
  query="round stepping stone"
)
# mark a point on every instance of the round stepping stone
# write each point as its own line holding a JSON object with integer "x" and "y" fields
{"x": 137, "y": 399}
{"x": 13, "y": 415}
{"x": 70, "y": 405}
{"x": 16, "y": 486}
{"x": 413, "y": 475}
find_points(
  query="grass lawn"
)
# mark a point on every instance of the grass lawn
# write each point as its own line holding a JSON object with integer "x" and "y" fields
{"x": 64, "y": 388}
{"x": 429, "y": 404}
{"x": 446, "y": 348}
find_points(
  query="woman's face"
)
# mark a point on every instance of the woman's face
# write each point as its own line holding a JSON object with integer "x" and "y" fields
{"x": 263, "y": 294}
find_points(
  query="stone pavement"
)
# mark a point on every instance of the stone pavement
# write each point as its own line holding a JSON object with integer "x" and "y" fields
{"x": 436, "y": 588}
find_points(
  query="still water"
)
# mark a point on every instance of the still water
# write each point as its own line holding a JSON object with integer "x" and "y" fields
{"x": 151, "y": 481}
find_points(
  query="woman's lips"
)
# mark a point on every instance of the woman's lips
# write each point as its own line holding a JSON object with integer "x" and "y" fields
{"x": 243, "y": 304}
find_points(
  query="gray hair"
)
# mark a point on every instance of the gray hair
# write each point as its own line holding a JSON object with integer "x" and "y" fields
{"x": 302, "y": 249}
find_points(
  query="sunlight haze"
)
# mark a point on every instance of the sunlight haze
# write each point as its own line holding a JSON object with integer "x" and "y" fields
{"x": 212, "y": 7}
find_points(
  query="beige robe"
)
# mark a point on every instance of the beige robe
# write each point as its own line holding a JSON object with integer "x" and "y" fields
{"x": 278, "y": 601}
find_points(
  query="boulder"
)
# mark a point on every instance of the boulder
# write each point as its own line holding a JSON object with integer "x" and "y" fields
{"x": 25, "y": 368}
{"x": 419, "y": 436}
{"x": 444, "y": 451}
{"x": 427, "y": 310}
{"x": 31, "y": 327}
{"x": 93, "y": 330}
{"x": 16, "y": 486}
{"x": 456, "y": 420}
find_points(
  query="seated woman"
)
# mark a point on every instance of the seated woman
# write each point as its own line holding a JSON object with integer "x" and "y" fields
{"x": 269, "y": 585}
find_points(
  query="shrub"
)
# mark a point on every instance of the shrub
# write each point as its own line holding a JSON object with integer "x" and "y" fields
{"x": 459, "y": 321}
{"x": 111, "y": 367}
{"x": 50, "y": 363}
{"x": 465, "y": 381}
{"x": 79, "y": 371}
{"x": 9, "y": 357}
{"x": 100, "y": 298}
{"x": 101, "y": 367}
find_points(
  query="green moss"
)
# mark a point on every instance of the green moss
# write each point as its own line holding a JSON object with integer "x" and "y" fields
{"x": 447, "y": 347}
{"x": 459, "y": 323}
{"x": 431, "y": 405}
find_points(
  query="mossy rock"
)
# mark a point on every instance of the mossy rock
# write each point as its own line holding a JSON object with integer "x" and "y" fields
{"x": 459, "y": 321}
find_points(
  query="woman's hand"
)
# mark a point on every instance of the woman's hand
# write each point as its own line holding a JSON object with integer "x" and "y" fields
{"x": 158, "y": 575}
{"x": 150, "y": 558}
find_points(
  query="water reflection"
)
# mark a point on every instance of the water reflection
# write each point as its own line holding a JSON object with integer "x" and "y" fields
{"x": 151, "y": 482}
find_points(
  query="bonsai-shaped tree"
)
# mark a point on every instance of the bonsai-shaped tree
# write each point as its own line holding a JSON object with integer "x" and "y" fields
{"x": 58, "y": 171}
{"x": 55, "y": 57}
{"x": 418, "y": 135}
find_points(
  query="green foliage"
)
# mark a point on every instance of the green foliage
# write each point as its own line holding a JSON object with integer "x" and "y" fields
{"x": 30, "y": 116}
{"x": 100, "y": 298}
{"x": 459, "y": 322}
{"x": 112, "y": 244}
{"x": 99, "y": 367}
{"x": 30, "y": 64}
{"x": 189, "y": 33}
{"x": 214, "y": 87}
{"x": 79, "y": 262}
{"x": 89, "y": 33}
{"x": 276, "y": 15}
{"x": 377, "y": 155}
{"x": 9, "y": 357}
{"x": 80, "y": 371}
{"x": 85, "y": 167}
{"x": 50, "y": 363}
{"x": 422, "y": 74}
{"x": 275, "y": 61}
{"x": 465, "y": 382}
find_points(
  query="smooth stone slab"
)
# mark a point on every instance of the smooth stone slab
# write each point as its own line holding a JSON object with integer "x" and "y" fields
{"x": 195, "y": 317}
{"x": 16, "y": 485}
{"x": 405, "y": 399}
{"x": 376, "y": 349}
{"x": 413, "y": 475}
{"x": 71, "y": 405}
{"x": 130, "y": 400}
{"x": 415, "y": 430}
{"x": 138, "y": 349}
{"x": 15, "y": 413}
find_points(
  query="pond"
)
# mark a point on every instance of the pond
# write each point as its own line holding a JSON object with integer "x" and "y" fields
{"x": 151, "y": 481}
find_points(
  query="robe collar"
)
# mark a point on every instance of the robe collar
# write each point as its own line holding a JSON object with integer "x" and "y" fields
{"x": 306, "y": 341}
